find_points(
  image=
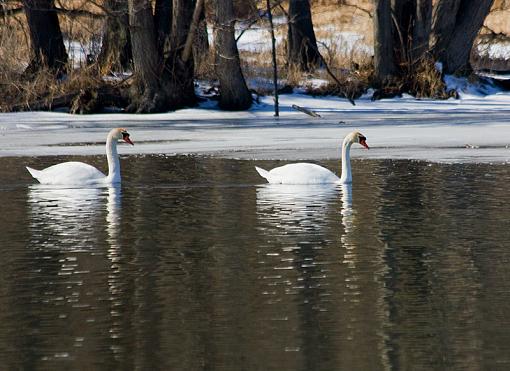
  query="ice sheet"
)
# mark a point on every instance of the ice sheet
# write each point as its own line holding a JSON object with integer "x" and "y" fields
{"x": 475, "y": 128}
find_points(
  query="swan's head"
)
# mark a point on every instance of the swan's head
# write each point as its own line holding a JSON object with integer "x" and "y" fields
{"x": 357, "y": 137}
{"x": 121, "y": 133}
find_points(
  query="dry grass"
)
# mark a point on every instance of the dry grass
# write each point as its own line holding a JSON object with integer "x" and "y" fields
{"x": 14, "y": 46}
{"x": 19, "y": 91}
{"x": 426, "y": 82}
{"x": 351, "y": 66}
{"x": 44, "y": 90}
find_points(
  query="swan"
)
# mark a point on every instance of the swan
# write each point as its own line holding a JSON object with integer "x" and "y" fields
{"x": 304, "y": 173}
{"x": 79, "y": 173}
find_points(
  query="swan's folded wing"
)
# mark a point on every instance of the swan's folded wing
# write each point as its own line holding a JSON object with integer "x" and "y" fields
{"x": 68, "y": 173}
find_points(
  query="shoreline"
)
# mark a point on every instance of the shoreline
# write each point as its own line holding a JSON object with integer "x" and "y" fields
{"x": 473, "y": 129}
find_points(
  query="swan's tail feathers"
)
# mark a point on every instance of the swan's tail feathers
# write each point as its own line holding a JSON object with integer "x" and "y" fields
{"x": 263, "y": 173}
{"x": 33, "y": 172}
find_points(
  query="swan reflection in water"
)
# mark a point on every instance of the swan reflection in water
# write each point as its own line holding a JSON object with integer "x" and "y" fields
{"x": 75, "y": 246}
{"x": 295, "y": 207}
{"x": 72, "y": 217}
{"x": 299, "y": 257}
{"x": 67, "y": 219}
{"x": 298, "y": 225}
{"x": 64, "y": 218}
{"x": 348, "y": 222}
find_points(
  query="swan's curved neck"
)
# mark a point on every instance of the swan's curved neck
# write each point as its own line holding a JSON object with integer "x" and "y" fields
{"x": 113, "y": 160}
{"x": 346, "y": 176}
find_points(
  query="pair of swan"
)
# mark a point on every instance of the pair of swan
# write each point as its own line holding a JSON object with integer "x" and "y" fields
{"x": 79, "y": 173}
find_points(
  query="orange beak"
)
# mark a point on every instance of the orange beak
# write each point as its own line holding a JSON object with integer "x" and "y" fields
{"x": 126, "y": 139}
{"x": 364, "y": 143}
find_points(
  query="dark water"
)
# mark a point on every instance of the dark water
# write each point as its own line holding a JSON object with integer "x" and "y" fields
{"x": 194, "y": 264}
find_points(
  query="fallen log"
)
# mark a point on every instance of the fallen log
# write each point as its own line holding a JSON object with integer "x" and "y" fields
{"x": 305, "y": 110}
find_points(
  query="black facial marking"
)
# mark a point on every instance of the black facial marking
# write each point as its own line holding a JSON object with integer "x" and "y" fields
{"x": 125, "y": 135}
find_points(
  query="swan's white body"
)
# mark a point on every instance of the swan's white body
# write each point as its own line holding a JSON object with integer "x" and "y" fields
{"x": 300, "y": 173}
{"x": 305, "y": 173}
{"x": 79, "y": 173}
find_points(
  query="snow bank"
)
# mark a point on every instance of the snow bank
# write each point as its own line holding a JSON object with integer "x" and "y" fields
{"x": 475, "y": 128}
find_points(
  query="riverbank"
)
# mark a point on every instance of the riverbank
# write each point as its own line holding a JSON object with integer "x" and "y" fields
{"x": 474, "y": 128}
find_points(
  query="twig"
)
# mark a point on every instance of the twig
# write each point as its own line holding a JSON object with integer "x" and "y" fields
{"x": 256, "y": 19}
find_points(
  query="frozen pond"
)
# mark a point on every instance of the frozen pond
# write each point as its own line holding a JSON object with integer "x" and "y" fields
{"x": 471, "y": 130}
{"x": 195, "y": 263}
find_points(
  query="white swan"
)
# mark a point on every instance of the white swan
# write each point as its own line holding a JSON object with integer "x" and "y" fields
{"x": 304, "y": 173}
{"x": 79, "y": 173}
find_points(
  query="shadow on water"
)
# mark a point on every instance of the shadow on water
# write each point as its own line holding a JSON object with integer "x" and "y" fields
{"x": 195, "y": 263}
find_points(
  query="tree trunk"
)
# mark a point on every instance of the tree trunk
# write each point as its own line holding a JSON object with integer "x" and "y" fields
{"x": 163, "y": 22}
{"x": 181, "y": 16}
{"x": 46, "y": 37}
{"x": 302, "y": 45}
{"x": 443, "y": 26}
{"x": 116, "y": 53}
{"x": 177, "y": 78}
{"x": 201, "y": 41}
{"x": 453, "y": 48}
{"x": 421, "y": 29}
{"x": 411, "y": 25}
{"x": 234, "y": 94}
{"x": 384, "y": 59}
{"x": 163, "y": 81}
{"x": 146, "y": 59}
{"x": 403, "y": 19}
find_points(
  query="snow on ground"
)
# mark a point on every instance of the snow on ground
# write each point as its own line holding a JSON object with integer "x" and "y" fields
{"x": 258, "y": 39}
{"x": 79, "y": 52}
{"x": 475, "y": 128}
{"x": 498, "y": 50}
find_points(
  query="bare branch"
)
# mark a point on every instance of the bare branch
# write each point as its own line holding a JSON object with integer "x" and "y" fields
{"x": 359, "y": 8}
{"x": 258, "y": 18}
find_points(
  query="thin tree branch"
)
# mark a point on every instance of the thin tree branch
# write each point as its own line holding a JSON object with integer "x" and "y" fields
{"x": 359, "y": 8}
{"x": 258, "y": 18}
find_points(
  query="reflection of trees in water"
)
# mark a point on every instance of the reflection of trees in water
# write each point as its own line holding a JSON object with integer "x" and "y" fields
{"x": 434, "y": 220}
{"x": 299, "y": 225}
{"x": 401, "y": 271}
{"x": 193, "y": 247}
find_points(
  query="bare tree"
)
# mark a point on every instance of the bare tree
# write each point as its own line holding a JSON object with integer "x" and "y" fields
{"x": 46, "y": 37}
{"x": 162, "y": 80}
{"x": 456, "y": 24}
{"x": 234, "y": 94}
{"x": 201, "y": 40}
{"x": 411, "y": 30}
{"x": 147, "y": 62}
{"x": 384, "y": 59}
{"x": 421, "y": 28}
{"x": 401, "y": 37}
{"x": 302, "y": 44}
{"x": 162, "y": 22}
{"x": 116, "y": 54}
{"x": 178, "y": 74}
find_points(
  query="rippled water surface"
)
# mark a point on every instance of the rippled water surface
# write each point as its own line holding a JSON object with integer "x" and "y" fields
{"x": 195, "y": 264}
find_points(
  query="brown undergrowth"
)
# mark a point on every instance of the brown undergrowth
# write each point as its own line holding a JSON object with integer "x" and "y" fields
{"x": 350, "y": 69}
{"x": 80, "y": 91}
